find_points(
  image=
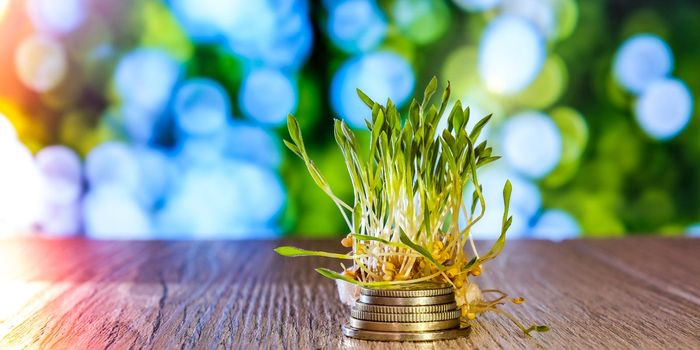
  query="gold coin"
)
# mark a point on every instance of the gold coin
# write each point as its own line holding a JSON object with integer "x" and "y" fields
{"x": 439, "y": 299}
{"x": 420, "y": 309}
{"x": 446, "y": 334}
{"x": 404, "y": 318}
{"x": 424, "y": 289}
{"x": 403, "y": 326}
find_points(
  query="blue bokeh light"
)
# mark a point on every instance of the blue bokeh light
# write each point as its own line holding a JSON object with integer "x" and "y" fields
{"x": 205, "y": 150}
{"x": 57, "y": 17}
{"x": 157, "y": 172}
{"x": 201, "y": 107}
{"x": 525, "y": 202}
{"x": 252, "y": 143}
{"x": 541, "y": 14}
{"x": 202, "y": 20}
{"x": 200, "y": 203}
{"x": 267, "y": 96}
{"x": 693, "y": 230}
{"x": 60, "y": 220}
{"x": 111, "y": 212}
{"x": 532, "y": 143}
{"x": 262, "y": 191}
{"x": 112, "y": 163}
{"x": 380, "y": 75}
{"x": 356, "y": 25}
{"x": 249, "y": 23}
{"x": 61, "y": 171}
{"x": 222, "y": 200}
{"x": 556, "y": 225}
{"x": 664, "y": 108}
{"x": 145, "y": 78}
{"x": 292, "y": 42}
{"x": 214, "y": 20}
{"x": 140, "y": 126}
{"x": 511, "y": 54}
{"x": 641, "y": 60}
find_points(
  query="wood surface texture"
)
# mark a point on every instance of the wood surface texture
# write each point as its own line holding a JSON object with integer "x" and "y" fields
{"x": 632, "y": 293}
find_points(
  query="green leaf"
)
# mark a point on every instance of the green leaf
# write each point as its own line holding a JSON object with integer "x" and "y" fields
{"x": 414, "y": 113}
{"x": 507, "y": 189}
{"x": 537, "y": 328}
{"x": 357, "y": 217}
{"x": 316, "y": 175}
{"x": 471, "y": 263}
{"x": 429, "y": 91}
{"x": 368, "y": 101}
{"x": 295, "y": 131}
{"x": 328, "y": 273}
{"x": 449, "y": 139}
{"x": 393, "y": 117}
{"x": 507, "y": 221}
{"x": 295, "y": 252}
{"x": 479, "y": 125}
{"x": 455, "y": 115}
{"x": 466, "y": 114}
{"x": 418, "y": 249}
{"x": 292, "y": 147}
{"x": 486, "y": 160}
{"x": 475, "y": 200}
{"x": 480, "y": 148}
{"x": 378, "y": 124}
{"x": 445, "y": 99}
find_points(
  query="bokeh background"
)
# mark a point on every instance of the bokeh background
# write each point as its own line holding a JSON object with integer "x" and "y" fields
{"x": 153, "y": 119}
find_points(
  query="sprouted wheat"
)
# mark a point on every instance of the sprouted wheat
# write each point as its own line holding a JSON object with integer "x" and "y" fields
{"x": 409, "y": 193}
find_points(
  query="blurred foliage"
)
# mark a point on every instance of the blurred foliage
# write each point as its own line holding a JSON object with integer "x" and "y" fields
{"x": 612, "y": 177}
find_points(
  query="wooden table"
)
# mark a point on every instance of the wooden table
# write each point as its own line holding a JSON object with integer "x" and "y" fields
{"x": 76, "y": 294}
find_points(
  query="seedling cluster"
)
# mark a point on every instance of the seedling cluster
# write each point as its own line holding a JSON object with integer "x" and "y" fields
{"x": 409, "y": 193}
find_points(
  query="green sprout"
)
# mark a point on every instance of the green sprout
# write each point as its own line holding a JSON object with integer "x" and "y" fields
{"x": 409, "y": 193}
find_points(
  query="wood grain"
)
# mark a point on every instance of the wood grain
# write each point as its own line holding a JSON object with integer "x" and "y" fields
{"x": 633, "y": 293}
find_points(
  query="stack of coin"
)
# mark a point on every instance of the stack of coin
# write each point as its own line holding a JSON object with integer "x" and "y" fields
{"x": 415, "y": 312}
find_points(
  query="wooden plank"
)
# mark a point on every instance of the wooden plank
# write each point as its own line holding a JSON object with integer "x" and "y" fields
{"x": 631, "y": 293}
{"x": 674, "y": 265}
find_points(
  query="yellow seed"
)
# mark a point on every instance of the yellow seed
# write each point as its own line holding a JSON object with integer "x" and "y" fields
{"x": 518, "y": 300}
{"x": 471, "y": 315}
{"x": 465, "y": 310}
{"x": 458, "y": 282}
{"x": 347, "y": 241}
{"x": 437, "y": 245}
{"x": 453, "y": 271}
{"x": 389, "y": 268}
{"x": 476, "y": 271}
{"x": 349, "y": 273}
{"x": 401, "y": 277}
{"x": 388, "y": 277}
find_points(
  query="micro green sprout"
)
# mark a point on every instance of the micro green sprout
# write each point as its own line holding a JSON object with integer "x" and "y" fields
{"x": 409, "y": 193}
